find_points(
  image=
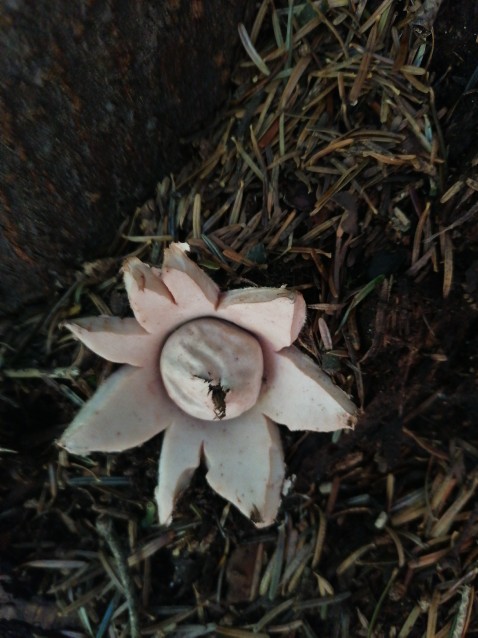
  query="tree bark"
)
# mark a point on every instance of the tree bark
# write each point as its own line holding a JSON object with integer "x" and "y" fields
{"x": 94, "y": 95}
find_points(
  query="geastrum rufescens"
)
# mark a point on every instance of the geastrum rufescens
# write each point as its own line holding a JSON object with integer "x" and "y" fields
{"x": 216, "y": 371}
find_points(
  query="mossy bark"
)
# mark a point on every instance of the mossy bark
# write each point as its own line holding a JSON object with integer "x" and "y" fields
{"x": 94, "y": 96}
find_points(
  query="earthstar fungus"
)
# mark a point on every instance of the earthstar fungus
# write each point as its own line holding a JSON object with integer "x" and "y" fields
{"x": 216, "y": 371}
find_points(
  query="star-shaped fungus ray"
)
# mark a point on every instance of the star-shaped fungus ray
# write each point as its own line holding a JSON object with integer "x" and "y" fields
{"x": 245, "y": 464}
{"x": 117, "y": 340}
{"x": 298, "y": 394}
{"x": 276, "y": 315}
{"x": 149, "y": 298}
{"x": 189, "y": 285}
{"x": 129, "y": 408}
{"x": 243, "y": 457}
{"x": 164, "y": 299}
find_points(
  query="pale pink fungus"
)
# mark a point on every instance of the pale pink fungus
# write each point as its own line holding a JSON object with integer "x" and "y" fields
{"x": 215, "y": 371}
{"x": 212, "y": 369}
